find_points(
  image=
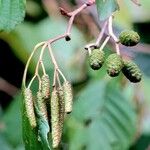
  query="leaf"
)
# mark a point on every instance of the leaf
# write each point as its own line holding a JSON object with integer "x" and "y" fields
{"x": 43, "y": 130}
{"x": 12, "y": 12}
{"x": 106, "y": 7}
{"x": 30, "y": 135}
{"x": 12, "y": 119}
{"x": 103, "y": 117}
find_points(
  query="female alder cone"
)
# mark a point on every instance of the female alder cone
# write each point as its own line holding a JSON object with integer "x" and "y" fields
{"x": 132, "y": 71}
{"x": 68, "y": 97}
{"x": 114, "y": 65}
{"x": 129, "y": 38}
{"x": 29, "y": 107}
{"x": 45, "y": 83}
{"x": 96, "y": 59}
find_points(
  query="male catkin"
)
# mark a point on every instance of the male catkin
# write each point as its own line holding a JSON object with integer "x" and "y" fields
{"x": 61, "y": 108}
{"x": 45, "y": 83}
{"x": 55, "y": 119}
{"x": 41, "y": 104}
{"x": 68, "y": 96}
{"x": 29, "y": 107}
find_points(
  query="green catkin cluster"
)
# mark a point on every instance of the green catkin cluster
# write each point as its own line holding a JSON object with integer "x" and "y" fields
{"x": 132, "y": 71}
{"x": 68, "y": 97}
{"x": 55, "y": 124}
{"x": 96, "y": 59}
{"x": 41, "y": 104}
{"x": 45, "y": 83}
{"x": 29, "y": 107}
{"x": 114, "y": 65}
{"x": 129, "y": 38}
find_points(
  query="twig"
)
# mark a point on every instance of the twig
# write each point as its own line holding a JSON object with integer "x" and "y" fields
{"x": 111, "y": 33}
{"x": 55, "y": 63}
{"x": 105, "y": 42}
{"x": 7, "y": 87}
{"x": 28, "y": 62}
{"x": 72, "y": 15}
{"x": 136, "y": 2}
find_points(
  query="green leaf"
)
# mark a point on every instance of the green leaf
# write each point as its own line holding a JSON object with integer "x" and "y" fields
{"x": 30, "y": 135}
{"x": 102, "y": 115}
{"x": 43, "y": 130}
{"x": 106, "y": 7}
{"x": 12, "y": 12}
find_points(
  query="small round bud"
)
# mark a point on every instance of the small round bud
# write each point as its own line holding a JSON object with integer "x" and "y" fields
{"x": 114, "y": 65}
{"x": 132, "y": 71}
{"x": 96, "y": 59}
{"x": 129, "y": 38}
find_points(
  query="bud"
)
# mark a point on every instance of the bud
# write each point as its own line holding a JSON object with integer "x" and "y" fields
{"x": 41, "y": 105}
{"x": 29, "y": 107}
{"x": 114, "y": 65}
{"x": 55, "y": 119}
{"x": 45, "y": 83}
{"x": 132, "y": 71}
{"x": 96, "y": 59}
{"x": 129, "y": 38}
{"x": 68, "y": 96}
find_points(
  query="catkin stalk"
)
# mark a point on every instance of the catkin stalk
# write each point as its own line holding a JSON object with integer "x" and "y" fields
{"x": 29, "y": 107}
{"x": 55, "y": 119}
{"x": 68, "y": 96}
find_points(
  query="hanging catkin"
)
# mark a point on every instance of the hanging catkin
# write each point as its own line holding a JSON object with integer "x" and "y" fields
{"x": 45, "y": 83}
{"x": 42, "y": 105}
{"x": 68, "y": 97}
{"x": 61, "y": 108}
{"x": 29, "y": 107}
{"x": 55, "y": 119}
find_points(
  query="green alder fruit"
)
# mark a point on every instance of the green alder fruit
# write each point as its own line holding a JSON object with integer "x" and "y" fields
{"x": 96, "y": 59}
{"x": 114, "y": 65}
{"x": 129, "y": 38}
{"x": 132, "y": 71}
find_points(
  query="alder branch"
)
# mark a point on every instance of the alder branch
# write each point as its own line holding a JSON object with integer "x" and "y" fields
{"x": 71, "y": 15}
{"x": 7, "y": 87}
{"x": 136, "y": 2}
